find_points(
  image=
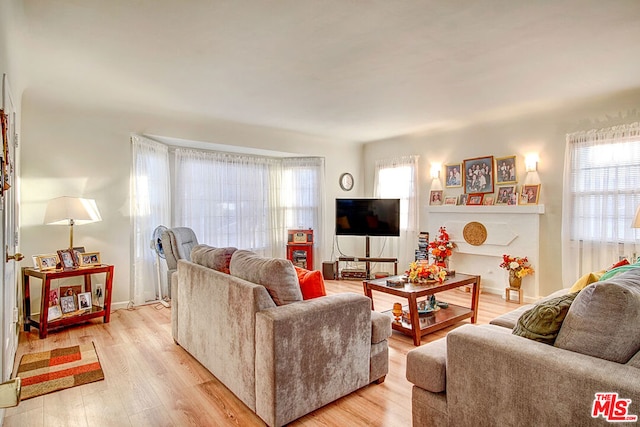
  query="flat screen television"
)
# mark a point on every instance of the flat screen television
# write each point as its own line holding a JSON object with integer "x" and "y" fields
{"x": 367, "y": 217}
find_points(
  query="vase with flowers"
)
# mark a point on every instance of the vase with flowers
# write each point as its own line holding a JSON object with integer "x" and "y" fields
{"x": 442, "y": 248}
{"x": 518, "y": 267}
{"x": 423, "y": 272}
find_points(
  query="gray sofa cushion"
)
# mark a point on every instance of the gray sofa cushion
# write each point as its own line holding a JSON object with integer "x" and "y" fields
{"x": 603, "y": 319}
{"x": 426, "y": 366}
{"x": 275, "y": 274}
{"x": 215, "y": 258}
{"x": 543, "y": 322}
{"x": 380, "y": 327}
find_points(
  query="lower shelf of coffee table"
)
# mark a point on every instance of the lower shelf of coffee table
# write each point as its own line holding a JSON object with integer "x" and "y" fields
{"x": 433, "y": 321}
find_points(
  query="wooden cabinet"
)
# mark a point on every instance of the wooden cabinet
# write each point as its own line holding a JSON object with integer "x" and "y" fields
{"x": 41, "y": 321}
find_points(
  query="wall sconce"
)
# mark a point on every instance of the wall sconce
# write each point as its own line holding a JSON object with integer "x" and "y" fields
{"x": 531, "y": 163}
{"x": 435, "y": 170}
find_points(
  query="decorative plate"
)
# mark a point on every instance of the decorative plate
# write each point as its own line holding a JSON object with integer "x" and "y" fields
{"x": 474, "y": 233}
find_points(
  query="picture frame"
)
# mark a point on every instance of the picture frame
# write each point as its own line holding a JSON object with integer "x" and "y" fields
{"x": 478, "y": 175}
{"x": 435, "y": 197}
{"x": 54, "y": 297}
{"x": 54, "y": 312}
{"x": 67, "y": 291}
{"x": 450, "y": 200}
{"x": 67, "y": 259}
{"x": 462, "y": 199}
{"x": 506, "y": 172}
{"x": 47, "y": 262}
{"x": 507, "y": 195}
{"x": 68, "y": 304}
{"x": 84, "y": 301}
{"x": 475, "y": 199}
{"x": 77, "y": 251}
{"x": 530, "y": 194}
{"x": 89, "y": 258}
{"x": 453, "y": 175}
{"x": 488, "y": 200}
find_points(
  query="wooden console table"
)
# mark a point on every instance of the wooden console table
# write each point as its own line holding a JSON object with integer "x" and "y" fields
{"x": 41, "y": 321}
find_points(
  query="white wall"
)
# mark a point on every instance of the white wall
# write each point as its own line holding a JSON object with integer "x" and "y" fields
{"x": 541, "y": 132}
{"x": 73, "y": 151}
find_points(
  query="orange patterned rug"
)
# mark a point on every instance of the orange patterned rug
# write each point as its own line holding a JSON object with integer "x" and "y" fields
{"x": 54, "y": 370}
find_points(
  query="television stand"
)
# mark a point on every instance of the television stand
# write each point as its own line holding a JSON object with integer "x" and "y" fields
{"x": 367, "y": 260}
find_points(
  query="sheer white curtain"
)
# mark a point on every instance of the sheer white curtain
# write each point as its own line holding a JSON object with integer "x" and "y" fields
{"x": 302, "y": 197}
{"x": 247, "y": 201}
{"x": 224, "y": 198}
{"x": 601, "y": 194}
{"x": 398, "y": 178}
{"x": 150, "y": 198}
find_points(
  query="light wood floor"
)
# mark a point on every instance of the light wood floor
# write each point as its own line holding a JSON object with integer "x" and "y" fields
{"x": 151, "y": 381}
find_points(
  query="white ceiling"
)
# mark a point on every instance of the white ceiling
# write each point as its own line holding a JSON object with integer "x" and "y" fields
{"x": 356, "y": 70}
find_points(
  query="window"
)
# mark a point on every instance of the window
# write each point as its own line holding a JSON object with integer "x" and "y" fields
{"x": 601, "y": 194}
{"x": 398, "y": 178}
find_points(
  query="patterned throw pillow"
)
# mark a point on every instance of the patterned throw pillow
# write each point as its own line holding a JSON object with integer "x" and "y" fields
{"x": 543, "y": 322}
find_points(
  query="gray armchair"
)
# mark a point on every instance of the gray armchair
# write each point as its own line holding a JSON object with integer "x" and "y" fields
{"x": 177, "y": 243}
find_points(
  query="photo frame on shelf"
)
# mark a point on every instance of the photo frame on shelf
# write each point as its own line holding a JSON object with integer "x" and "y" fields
{"x": 488, "y": 200}
{"x": 68, "y": 304}
{"x": 478, "y": 175}
{"x": 462, "y": 199}
{"x": 435, "y": 197}
{"x": 530, "y": 194}
{"x": 54, "y": 312}
{"x": 70, "y": 291}
{"x": 77, "y": 251}
{"x": 453, "y": 175}
{"x": 506, "y": 172}
{"x": 90, "y": 258}
{"x": 47, "y": 262}
{"x": 54, "y": 297}
{"x": 84, "y": 301}
{"x": 507, "y": 195}
{"x": 67, "y": 258}
{"x": 475, "y": 199}
{"x": 450, "y": 200}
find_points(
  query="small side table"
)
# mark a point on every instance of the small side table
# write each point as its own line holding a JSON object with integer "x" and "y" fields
{"x": 508, "y": 294}
{"x": 41, "y": 321}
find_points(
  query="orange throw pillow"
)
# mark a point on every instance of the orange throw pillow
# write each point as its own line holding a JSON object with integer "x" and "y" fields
{"x": 311, "y": 283}
{"x": 619, "y": 264}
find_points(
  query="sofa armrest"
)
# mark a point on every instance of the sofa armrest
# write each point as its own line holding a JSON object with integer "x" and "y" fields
{"x": 501, "y": 379}
{"x": 310, "y": 353}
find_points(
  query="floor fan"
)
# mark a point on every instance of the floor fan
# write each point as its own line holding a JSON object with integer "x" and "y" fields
{"x": 156, "y": 245}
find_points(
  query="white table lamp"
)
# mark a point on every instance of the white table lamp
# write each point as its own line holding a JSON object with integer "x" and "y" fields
{"x": 71, "y": 211}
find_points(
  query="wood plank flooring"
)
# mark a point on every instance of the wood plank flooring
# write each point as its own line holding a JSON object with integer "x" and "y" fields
{"x": 151, "y": 381}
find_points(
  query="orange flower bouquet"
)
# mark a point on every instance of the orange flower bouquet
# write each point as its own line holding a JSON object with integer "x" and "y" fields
{"x": 422, "y": 271}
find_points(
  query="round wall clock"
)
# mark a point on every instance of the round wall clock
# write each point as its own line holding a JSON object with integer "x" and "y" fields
{"x": 346, "y": 181}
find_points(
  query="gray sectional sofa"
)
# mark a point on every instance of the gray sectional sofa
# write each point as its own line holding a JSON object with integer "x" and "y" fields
{"x": 282, "y": 361}
{"x": 484, "y": 375}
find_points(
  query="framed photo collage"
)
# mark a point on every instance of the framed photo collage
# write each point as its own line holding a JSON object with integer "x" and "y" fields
{"x": 485, "y": 181}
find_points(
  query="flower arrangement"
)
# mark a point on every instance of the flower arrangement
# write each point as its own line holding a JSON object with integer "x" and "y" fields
{"x": 421, "y": 271}
{"x": 518, "y": 266}
{"x": 441, "y": 248}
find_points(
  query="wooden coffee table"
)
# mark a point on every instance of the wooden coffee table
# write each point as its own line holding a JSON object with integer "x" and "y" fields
{"x": 418, "y": 325}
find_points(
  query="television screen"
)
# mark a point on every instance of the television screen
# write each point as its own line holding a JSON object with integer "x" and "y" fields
{"x": 367, "y": 217}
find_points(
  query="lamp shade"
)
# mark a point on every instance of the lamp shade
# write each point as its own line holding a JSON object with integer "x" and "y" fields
{"x": 71, "y": 210}
{"x": 636, "y": 219}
